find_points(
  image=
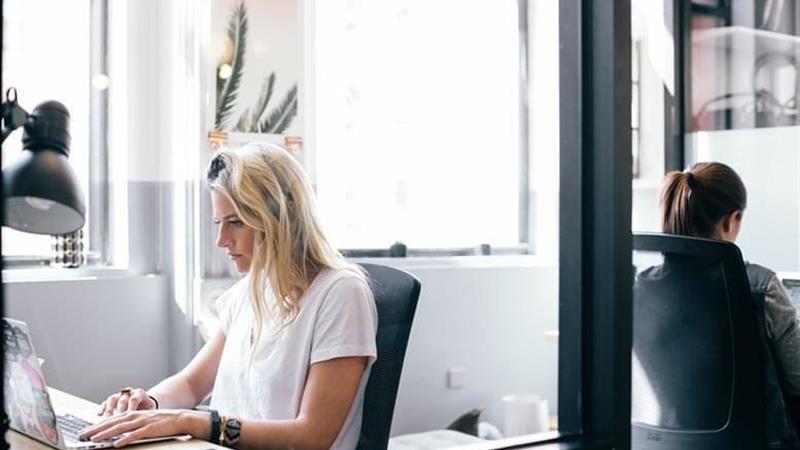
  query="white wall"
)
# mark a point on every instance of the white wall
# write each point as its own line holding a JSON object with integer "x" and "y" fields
{"x": 484, "y": 316}
{"x": 98, "y": 335}
{"x": 768, "y": 161}
{"x": 95, "y": 334}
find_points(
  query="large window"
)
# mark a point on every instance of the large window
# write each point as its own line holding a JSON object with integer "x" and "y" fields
{"x": 420, "y": 123}
{"x": 62, "y": 65}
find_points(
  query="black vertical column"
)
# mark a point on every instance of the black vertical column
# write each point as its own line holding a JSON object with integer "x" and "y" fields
{"x": 595, "y": 236}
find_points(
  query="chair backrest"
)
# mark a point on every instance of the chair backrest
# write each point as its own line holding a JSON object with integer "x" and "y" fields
{"x": 697, "y": 380}
{"x": 396, "y": 293}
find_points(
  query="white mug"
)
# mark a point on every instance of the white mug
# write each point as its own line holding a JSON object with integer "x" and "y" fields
{"x": 525, "y": 414}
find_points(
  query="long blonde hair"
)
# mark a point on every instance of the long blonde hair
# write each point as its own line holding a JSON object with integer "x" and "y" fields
{"x": 271, "y": 194}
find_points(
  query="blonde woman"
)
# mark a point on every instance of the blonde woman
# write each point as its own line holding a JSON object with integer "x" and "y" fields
{"x": 290, "y": 363}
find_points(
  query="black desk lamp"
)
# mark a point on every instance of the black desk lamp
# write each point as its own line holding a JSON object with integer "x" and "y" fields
{"x": 40, "y": 189}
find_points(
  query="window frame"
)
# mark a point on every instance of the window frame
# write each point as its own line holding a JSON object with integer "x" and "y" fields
{"x": 100, "y": 250}
{"x": 525, "y": 245}
{"x": 595, "y": 241}
{"x": 636, "y": 99}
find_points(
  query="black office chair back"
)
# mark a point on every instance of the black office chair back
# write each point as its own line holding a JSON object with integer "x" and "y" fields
{"x": 697, "y": 380}
{"x": 396, "y": 293}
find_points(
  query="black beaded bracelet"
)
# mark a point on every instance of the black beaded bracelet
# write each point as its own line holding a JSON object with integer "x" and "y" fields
{"x": 214, "y": 438}
{"x": 154, "y": 400}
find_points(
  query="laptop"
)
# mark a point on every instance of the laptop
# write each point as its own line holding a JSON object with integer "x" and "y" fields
{"x": 27, "y": 402}
{"x": 792, "y": 286}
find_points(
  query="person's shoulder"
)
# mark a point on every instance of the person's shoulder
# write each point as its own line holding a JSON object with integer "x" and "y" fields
{"x": 759, "y": 276}
{"x": 340, "y": 284}
{"x": 342, "y": 278}
{"x": 235, "y": 292}
{"x": 240, "y": 287}
{"x": 227, "y": 306}
{"x": 758, "y": 268}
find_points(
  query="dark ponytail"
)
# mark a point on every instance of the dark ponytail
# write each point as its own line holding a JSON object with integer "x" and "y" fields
{"x": 693, "y": 202}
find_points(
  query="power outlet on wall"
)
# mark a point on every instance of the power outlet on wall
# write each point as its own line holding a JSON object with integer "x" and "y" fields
{"x": 455, "y": 378}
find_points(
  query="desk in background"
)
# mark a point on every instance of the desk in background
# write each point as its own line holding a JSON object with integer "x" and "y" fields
{"x": 63, "y": 402}
{"x": 791, "y": 281}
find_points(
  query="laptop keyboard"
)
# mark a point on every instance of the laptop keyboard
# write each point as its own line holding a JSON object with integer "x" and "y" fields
{"x": 72, "y": 426}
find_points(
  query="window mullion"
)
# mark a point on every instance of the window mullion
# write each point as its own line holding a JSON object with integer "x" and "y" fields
{"x": 99, "y": 205}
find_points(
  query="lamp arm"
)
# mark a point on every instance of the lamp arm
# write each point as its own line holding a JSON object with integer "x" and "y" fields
{"x": 13, "y": 115}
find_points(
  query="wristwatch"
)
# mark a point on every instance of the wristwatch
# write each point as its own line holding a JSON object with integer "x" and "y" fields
{"x": 231, "y": 429}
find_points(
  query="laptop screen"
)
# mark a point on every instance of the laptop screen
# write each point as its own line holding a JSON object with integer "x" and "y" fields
{"x": 27, "y": 402}
{"x": 793, "y": 288}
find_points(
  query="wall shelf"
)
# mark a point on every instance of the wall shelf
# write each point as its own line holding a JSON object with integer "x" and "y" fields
{"x": 730, "y": 76}
{"x": 747, "y": 40}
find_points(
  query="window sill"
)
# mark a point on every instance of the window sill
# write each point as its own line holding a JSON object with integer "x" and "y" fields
{"x": 469, "y": 262}
{"x": 51, "y": 274}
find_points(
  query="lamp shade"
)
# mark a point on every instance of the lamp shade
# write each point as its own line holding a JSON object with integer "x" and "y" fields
{"x": 41, "y": 191}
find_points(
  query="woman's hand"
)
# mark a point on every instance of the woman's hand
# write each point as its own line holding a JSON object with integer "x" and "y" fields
{"x": 135, "y": 425}
{"x": 127, "y": 399}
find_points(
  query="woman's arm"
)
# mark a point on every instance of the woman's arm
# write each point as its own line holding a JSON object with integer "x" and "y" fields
{"x": 783, "y": 330}
{"x": 328, "y": 395}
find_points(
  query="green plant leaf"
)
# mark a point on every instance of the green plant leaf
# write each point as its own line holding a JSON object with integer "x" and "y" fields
{"x": 281, "y": 117}
{"x": 237, "y": 33}
{"x": 245, "y": 123}
{"x": 220, "y": 84}
{"x": 249, "y": 120}
{"x": 263, "y": 100}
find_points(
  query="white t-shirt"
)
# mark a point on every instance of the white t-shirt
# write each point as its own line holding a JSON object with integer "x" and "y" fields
{"x": 337, "y": 318}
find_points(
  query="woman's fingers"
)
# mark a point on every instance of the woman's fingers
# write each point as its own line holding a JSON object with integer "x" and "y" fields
{"x": 123, "y": 398}
{"x": 141, "y": 433}
{"x": 135, "y": 425}
{"x": 109, "y": 405}
{"x": 122, "y": 404}
{"x": 127, "y": 399}
{"x": 136, "y": 399}
{"x": 123, "y": 424}
{"x": 134, "y": 402}
{"x": 99, "y": 427}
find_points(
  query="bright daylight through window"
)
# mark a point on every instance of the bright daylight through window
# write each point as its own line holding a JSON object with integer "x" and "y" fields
{"x": 25, "y": 68}
{"x": 418, "y": 132}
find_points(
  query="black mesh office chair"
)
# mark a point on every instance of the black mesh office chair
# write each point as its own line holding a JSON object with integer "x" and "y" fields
{"x": 697, "y": 372}
{"x": 396, "y": 293}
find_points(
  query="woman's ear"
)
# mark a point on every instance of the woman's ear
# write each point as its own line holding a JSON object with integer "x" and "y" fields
{"x": 730, "y": 225}
{"x": 728, "y": 221}
{"x": 731, "y": 221}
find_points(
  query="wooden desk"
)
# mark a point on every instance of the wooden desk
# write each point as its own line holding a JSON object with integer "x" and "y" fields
{"x": 88, "y": 410}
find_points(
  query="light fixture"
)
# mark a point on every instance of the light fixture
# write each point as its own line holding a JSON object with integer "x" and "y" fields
{"x": 40, "y": 189}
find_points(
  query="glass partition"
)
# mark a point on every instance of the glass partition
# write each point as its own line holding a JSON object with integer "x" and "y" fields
{"x": 745, "y": 93}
